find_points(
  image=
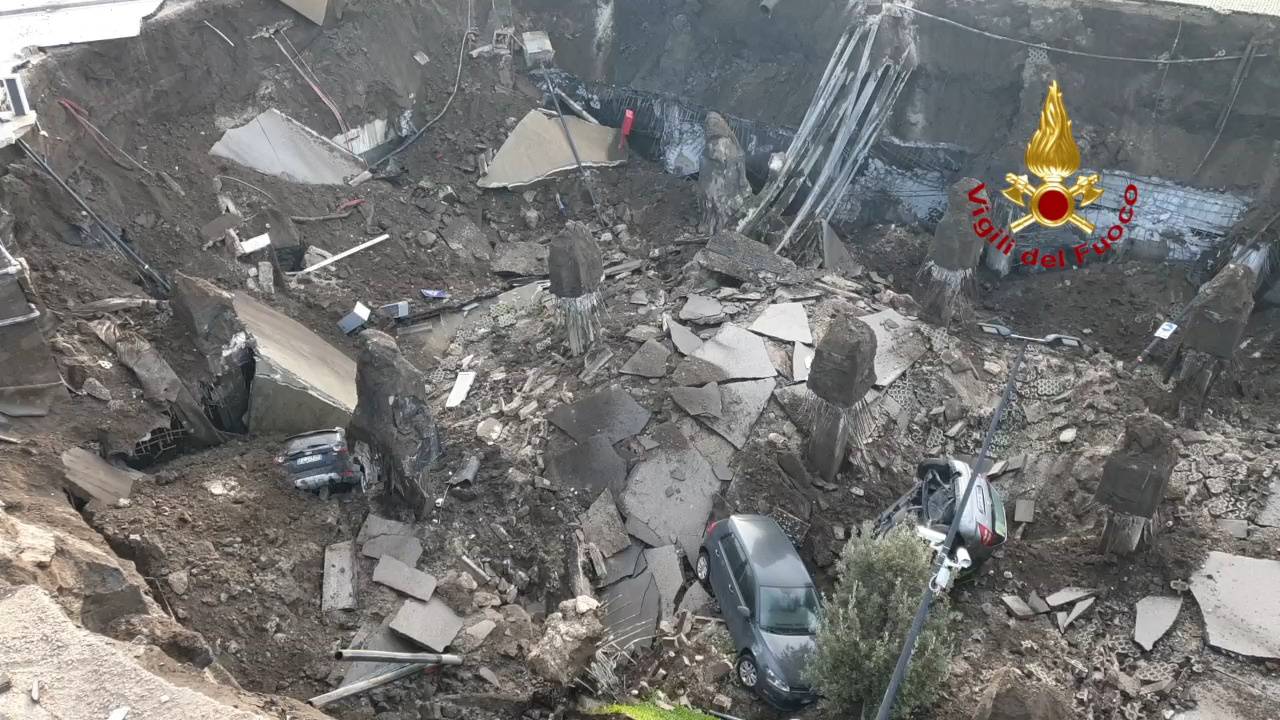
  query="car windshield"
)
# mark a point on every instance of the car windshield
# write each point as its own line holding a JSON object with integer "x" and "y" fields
{"x": 788, "y": 610}
{"x": 308, "y": 442}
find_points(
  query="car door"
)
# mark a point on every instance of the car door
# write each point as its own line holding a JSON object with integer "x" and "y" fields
{"x": 730, "y": 591}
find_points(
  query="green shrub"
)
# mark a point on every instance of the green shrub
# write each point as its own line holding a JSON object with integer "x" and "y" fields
{"x": 650, "y": 711}
{"x": 866, "y": 620}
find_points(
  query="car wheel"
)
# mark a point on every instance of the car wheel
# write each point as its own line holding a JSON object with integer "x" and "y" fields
{"x": 747, "y": 672}
{"x": 702, "y": 568}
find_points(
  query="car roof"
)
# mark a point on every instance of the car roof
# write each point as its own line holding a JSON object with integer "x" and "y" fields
{"x": 774, "y": 560}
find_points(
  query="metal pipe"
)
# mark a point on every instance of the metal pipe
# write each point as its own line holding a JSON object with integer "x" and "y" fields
{"x": 367, "y": 684}
{"x": 432, "y": 658}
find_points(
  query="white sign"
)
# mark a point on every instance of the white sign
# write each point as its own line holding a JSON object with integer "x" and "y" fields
{"x": 1164, "y": 331}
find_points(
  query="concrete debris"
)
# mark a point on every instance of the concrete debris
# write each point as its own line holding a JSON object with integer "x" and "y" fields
{"x": 722, "y": 177}
{"x": 1037, "y": 603}
{"x": 1080, "y": 608}
{"x": 405, "y": 549}
{"x": 682, "y": 337}
{"x": 1069, "y": 595}
{"x": 538, "y": 50}
{"x": 431, "y": 624}
{"x": 706, "y": 400}
{"x": 537, "y": 149}
{"x": 393, "y": 419}
{"x": 217, "y": 228}
{"x": 467, "y": 239}
{"x": 696, "y": 601}
{"x": 404, "y": 578}
{"x": 945, "y": 284}
{"x": 92, "y": 478}
{"x": 743, "y": 402}
{"x": 1269, "y": 515}
{"x": 738, "y": 256}
{"x": 835, "y": 256}
{"x": 661, "y": 509}
{"x": 1012, "y": 696}
{"x": 475, "y": 635}
{"x": 568, "y": 641}
{"x": 632, "y": 608}
{"x": 339, "y": 588}
{"x": 739, "y": 354}
{"x": 801, "y": 362}
{"x": 275, "y": 144}
{"x": 375, "y": 525}
{"x": 461, "y": 386}
{"x": 1240, "y": 600}
{"x": 1155, "y": 615}
{"x": 664, "y": 563}
{"x": 649, "y": 361}
{"x": 702, "y": 310}
{"x": 489, "y": 430}
{"x": 1217, "y": 316}
{"x": 1068, "y": 436}
{"x": 641, "y": 333}
{"x": 843, "y": 368}
{"x": 1136, "y": 475}
{"x": 611, "y": 413}
{"x": 1235, "y": 527}
{"x": 527, "y": 259}
{"x": 899, "y": 344}
{"x": 1024, "y": 511}
{"x": 785, "y": 321}
{"x": 592, "y": 465}
{"x": 1017, "y": 606}
{"x": 602, "y": 525}
{"x": 627, "y": 563}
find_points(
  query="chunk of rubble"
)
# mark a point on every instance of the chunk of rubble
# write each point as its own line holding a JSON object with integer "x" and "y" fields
{"x": 592, "y": 465}
{"x": 375, "y": 525}
{"x": 373, "y": 635}
{"x": 641, "y": 333}
{"x": 649, "y": 361}
{"x": 431, "y": 624}
{"x": 405, "y": 549}
{"x": 664, "y": 564}
{"x": 1069, "y": 595}
{"x": 92, "y": 478}
{"x": 743, "y": 402}
{"x": 835, "y": 256}
{"x": 339, "y": 583}
{"x": 632, "y": 608}
{"x": 702, "y": 310}
{"x": 785, "y": 321}
{"x": 1013, "y": 696}
{"x": 1017, "y": 606}
{"x": 568, "y": 641}
{"x": 627, "y": 563}
{"x": 404, "y": 578}
{"x": 801, "y": 361}
{"x": 667, "y": 508}
{"x": 898, "y": 344}
{"x": 536, "y": 149}
{"x": 1155, "y": 615}
{"x": 1065, "y": 618}
{"x": 275, "y": 144}
{"x": 1240, "y": 600}
{"x": 705, "y": 400}
{"x": 1037, "y": 603}
{"x": 602, "y": 525}
{"x": 740, "y": 354}
{"x": 682, "y": 337}
{"x": 527, "y": 259}
{"x": 733, "y": 254}
{"x": 611, "y": 413}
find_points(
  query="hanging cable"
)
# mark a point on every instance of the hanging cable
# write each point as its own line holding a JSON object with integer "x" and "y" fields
{"x": 573, "y": 148}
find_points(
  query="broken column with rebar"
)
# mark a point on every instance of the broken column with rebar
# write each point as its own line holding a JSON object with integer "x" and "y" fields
{"x": 576, "y": 268}
{"x": 1215, "y": 322}
{"x": 841, "y": 374}
{"x": 1134, "y": 480}
{"x": 945, "y": 283}
{"x": 722, "y": 177}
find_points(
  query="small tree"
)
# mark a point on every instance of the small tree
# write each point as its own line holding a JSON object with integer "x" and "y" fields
{"x": 866, "y": 620}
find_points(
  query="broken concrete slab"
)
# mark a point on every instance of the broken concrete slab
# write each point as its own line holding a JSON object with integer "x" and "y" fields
{"x": 649, "y": 361}
{"x": 1077, "y": 610}
{"x": 1240, "y": 600}
{"x": 275, "y": 144}
{"x": 740, "y": 354}
{"x": 632, "y": 607}
{"x": 682, "y": 337}
{"x": 339, "y": 585}
{"x": 641, "y": 333}
{"x": 705, "y": 400}
{"x": 612, "y": 413}
{"x": 467, "y": 239}
{"x": 527, "y": 259}
{"x": 898, "y": 344}
{"x": 602, "y": 525}
{"x": 1069, "y": 595}
{"x": 835, "y": 256}
{"x": 798, "y": 402}
{"x": 1155, "y": 615}
{"x": 702, "y": 310}
{"x": 375, "y": 525}
{"x": 671, "y": 510}
{"x": 431, "y": 624}
{"x": 1037, "y": 603}
{"x": 405, "y": 549}
{"x": 694, "y": 371}
{"x": 788, "y": 322}
{"x": 1017, "y": 606}
{"x": 627, "y": 563}
{"x": 1235, "y": 527}
{"x": 801, "y": 361}
{"x": 92, "y": 478}
{"x": 664, "y": 564}
{"x": 475, "y": 635}
{"x": 592, "y": 465}
{"x": 743, "y": 402}
{"x": 404, "y": 578}
{"x": 537, "y": 148}
{"x": 733, "y": 254}
{"x": 695, "y": 600}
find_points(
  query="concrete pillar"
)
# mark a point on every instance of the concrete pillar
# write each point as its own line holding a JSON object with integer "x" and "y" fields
{"x": 1210, "y": 335}
{"x": 945, "y": 283}
{"x": 722, "y": 177}
{"x": 1134, "y": 480}
{"x": 843, "y": 367}
{"x": 574, "y": 262}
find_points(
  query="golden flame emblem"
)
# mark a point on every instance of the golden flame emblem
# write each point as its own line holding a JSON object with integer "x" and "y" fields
{"x": 1052, "y": 155}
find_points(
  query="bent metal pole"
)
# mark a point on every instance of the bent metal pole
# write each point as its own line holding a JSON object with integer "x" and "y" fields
{"x": 408, "y": 657}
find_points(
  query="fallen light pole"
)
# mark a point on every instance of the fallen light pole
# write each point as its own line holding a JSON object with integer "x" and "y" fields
{"x": 938, "y": 583}
{"x": 408, "y": 657}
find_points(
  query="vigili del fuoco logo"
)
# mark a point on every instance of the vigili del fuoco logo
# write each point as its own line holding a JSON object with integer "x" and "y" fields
{"x": 1053, "y": 157}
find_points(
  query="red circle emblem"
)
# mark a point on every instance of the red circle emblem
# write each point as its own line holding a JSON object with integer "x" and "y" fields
{"x": 1053, "y": 205}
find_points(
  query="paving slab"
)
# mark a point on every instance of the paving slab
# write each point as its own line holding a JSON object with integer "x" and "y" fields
{"x": 1069, "y": 595}
{"x": 1017, "y": 606}
{"x": 741, "y": 354}
{"x": 898, "y": 344}
{"x": 664, "y": 564}
{"x": 592, "y": 466}
{"x": 1155, "y": 615}
{"x": 401, "y": 547}
{"x": 1037, "y": 603}
{"x": 705, "y": 400}
{"x": 431, "y": 624}
{"x": 1240, "y": 599}
{"x": 612, "y": 413}
{"x": 702, "y": 309}
{"x": 673, "y": 510}
{"x": 521, "y": 258}
{"x": 801, "y": 361}
{"x": 339, "y": 584}
{"x": 743, "y": 402}
{"x": 788, "y": 322}
{"x": 375, "y": 525}
{"x": 628, "y": 563}
{"x": 404, "y": 578}
{"x": 1080, "y": 608}
{"x": 602, "y": 525}
{"x": 713, "y": 447}
{"x": 632, "y": 607}
{"x": 685, "y": 340}
{"x": 649, "y": 361}
{"x": 693, "y": 371}
{"x": 740, "y": 257}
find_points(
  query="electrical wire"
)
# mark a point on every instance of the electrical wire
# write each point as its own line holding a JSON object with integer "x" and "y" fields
{"x": 467, "y": 31}
{"x": 1065, "y": 51}
{"x": 312, "y": 81}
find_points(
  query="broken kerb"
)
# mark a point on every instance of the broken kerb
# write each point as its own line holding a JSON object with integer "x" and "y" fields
{"x": 945, "y": 283}
{"x": 576, "y": 268}
{"x": 840, "y": 376}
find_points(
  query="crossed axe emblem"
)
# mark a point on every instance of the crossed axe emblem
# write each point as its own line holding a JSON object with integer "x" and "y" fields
{"x": 1063, "y": 201}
